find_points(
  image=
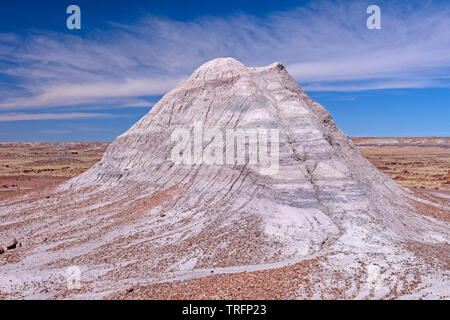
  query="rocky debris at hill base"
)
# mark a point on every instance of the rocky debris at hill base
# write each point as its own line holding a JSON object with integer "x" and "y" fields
{"x": 12, "y": 244}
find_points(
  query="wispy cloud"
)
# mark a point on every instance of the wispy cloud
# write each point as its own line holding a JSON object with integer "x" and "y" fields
{"x": 51, "y": 116}
{"x": 99, "y": 92}
{"x": 56, "y": 131}
{"x": 137, "y": 103}
{"x": 325, "y": 45}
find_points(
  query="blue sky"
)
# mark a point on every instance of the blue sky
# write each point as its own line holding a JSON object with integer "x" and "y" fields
{"x": 93, "y": 84}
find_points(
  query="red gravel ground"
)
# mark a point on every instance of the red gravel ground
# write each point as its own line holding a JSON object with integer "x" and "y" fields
{"x": 271, "y": 284}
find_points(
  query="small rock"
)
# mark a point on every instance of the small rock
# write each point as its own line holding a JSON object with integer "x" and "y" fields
{"x": 2, "y": 251}
{"x": 12, "y": 244}
{"x": 130, "y": 290}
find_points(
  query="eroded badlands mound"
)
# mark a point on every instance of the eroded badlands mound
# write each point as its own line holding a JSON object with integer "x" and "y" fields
{"x": 136, "y": 218}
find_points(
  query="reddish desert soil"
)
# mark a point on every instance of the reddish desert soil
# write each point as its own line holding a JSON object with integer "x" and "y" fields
{"x": 27, "y": 166}
{"x": 412, "y": 162}
{"x": 271, "y": 284}
{"x": 296, "y": 281}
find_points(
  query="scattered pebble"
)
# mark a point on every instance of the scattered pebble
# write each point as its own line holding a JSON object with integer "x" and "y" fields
{"x": 12, "y": 244}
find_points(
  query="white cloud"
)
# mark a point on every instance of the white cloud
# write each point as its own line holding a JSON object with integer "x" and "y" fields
{"x": 325, "y": 45}
{"x": 56, "y": 131}
{"x": 51, "y": 116}
{"x": 137, "y": 103}
{"x": 74, "y": 94}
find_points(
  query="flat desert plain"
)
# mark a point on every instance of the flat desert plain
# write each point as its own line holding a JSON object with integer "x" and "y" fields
{"x": 412, "y": 162}
{"x": 27, "y": 166}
